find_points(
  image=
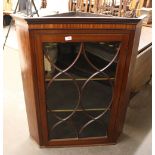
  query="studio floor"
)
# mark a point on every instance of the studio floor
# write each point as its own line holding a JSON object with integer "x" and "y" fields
{"x": 136, "y": 138}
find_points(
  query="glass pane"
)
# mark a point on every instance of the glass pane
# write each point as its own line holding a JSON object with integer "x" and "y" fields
{"x": 79, "y": 81}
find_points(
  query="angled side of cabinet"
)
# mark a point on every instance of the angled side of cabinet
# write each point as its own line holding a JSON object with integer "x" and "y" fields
{"x": 76, "y": 77}
{"x": 28, "y": 73}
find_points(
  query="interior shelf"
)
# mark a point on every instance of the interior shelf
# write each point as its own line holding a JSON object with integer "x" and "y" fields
{"x": 71, "y": 110}
{"x": 79, "y": 79}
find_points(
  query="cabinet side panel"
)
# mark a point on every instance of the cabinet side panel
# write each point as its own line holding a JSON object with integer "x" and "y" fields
{"x": 128, "y": 72}
{"x": 27, "y": 78}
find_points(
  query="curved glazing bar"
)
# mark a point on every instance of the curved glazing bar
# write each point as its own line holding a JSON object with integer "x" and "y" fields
{"x": 83, "y": 106}
{"x": 98, "y": 71}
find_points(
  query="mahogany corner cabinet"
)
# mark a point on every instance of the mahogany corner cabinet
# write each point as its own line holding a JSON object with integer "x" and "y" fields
{"x": 76, "y": 71}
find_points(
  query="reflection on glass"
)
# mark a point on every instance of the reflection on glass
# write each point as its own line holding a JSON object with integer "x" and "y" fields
{"x": 79, "y": 80}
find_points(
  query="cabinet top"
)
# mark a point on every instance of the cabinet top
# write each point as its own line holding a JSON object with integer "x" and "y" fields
{"x": 79, "y": 18}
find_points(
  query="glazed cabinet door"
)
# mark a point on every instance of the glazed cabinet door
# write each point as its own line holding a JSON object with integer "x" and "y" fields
{"x": 79, "y": 82}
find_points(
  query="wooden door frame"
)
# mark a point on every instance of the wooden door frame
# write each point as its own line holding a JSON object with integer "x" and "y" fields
{"x": 38, "y": 38}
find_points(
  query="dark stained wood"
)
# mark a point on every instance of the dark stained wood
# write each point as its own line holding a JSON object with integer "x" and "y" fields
{"x": 84, "y": 20}
{"x": 113, "y": 134}
{"x": 127, "y": 79}
{"x": 79, "y": 18}
{"x": 39, "y": 37}
{"x": 28, "y": 77}
{"x": 32, "y": 32}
